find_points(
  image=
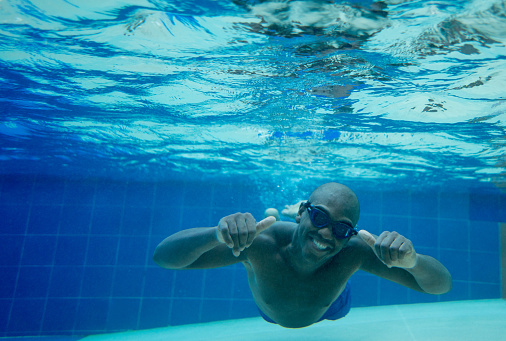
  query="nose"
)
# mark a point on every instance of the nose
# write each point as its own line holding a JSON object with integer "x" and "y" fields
{"x": 326, "y": 233}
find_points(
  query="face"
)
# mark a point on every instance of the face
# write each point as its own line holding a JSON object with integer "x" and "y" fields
{"x": 320, "y": 244}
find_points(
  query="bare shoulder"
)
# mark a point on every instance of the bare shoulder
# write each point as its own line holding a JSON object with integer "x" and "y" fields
{"x": 357, "y": 244}
{"x": 364, "y": 256}
{"x": 356, "y": 251}
{"x": 275, "y": 237}
{"x": 282, "y": 232}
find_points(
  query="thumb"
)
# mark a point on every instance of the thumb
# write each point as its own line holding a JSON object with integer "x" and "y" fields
{"x": 265, "y": 224}
{"x": 367, "y": 237}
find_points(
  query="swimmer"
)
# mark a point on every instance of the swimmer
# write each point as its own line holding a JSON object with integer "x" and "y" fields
{"x": 298, "y": 271}
{"x": 289, "y": 211}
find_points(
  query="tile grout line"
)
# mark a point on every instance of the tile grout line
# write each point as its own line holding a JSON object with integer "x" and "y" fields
{"x": 173, "y": 286}
{"x": 116, "y": 260}
{"x": 502, "y": 252}
{"x": 203, "y": 289}
{"x": 438, "y": 235}
{"x": 85, "y": 260}
{"x": 22, "y": 251}
{"x": 406, "y": 323}
{"x": 51, "y": 271}
{"x": 148, "y": 254}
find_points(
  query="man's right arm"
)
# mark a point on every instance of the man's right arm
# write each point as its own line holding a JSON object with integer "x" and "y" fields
{"x": 211, "y": 247}
{"x": 184, "y": 250}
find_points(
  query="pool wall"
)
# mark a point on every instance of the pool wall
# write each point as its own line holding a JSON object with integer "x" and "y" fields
{"x": 75, "y": 254}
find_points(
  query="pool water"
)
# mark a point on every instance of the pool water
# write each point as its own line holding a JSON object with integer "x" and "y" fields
{"x": 403, "y": 93}
{"x": 124, "y": 121}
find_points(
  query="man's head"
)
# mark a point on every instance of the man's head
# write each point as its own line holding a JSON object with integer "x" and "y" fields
{"x": 340, "y": 205}
{"x": 337, "y": 196}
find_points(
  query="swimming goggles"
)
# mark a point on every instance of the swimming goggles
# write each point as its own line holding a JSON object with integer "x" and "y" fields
{"x": 321, "y": 219}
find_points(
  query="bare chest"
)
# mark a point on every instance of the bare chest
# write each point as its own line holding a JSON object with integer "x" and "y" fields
{"x": 285, "y": 295}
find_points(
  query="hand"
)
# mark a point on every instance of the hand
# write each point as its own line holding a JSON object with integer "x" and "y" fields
{"x": 391, "y": 248}
{"x": 240, "y": 229}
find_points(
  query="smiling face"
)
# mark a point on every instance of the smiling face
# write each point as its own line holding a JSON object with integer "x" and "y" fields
{"x": 341, "y": 205}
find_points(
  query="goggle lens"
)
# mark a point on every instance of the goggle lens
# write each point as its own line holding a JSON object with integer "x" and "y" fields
{"x": 319, "y": 218}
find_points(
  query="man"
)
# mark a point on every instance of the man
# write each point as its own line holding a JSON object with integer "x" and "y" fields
{"x": 298, "y": 272}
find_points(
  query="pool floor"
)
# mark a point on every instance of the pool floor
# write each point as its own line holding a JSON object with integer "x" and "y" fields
{"x": 460, "y": 320}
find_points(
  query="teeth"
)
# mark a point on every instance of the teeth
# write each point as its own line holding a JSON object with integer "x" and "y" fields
{"x": 319, "y": 245}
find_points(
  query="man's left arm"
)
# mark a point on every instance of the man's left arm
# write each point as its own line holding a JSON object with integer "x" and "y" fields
{"x": 396, "y": 251}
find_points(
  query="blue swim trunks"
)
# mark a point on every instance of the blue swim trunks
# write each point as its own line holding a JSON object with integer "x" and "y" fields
{"x": 339, "y": 309}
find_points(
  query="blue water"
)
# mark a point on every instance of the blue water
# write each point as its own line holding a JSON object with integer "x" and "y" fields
{"x": 123, "y": 121}
{"x": 396, "y": 92}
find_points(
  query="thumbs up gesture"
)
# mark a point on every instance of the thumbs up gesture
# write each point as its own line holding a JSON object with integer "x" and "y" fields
{"x": 393, "y": 249}
{"x": 240, "y": 229}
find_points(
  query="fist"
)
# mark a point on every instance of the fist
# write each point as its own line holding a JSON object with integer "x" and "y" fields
{"x": 240, "y": 229}
{"x": 391, "y": 248}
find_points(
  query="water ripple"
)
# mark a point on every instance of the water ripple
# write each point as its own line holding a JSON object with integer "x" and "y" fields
{"x": 395, "y": 91}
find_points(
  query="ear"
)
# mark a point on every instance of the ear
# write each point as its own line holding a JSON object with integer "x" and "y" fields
{"x": 299, "y": 213}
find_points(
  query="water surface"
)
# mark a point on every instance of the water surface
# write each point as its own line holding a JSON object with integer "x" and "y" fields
{"x": 393, "y": 92}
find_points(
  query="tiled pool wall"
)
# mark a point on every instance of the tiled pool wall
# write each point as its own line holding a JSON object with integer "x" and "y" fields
{"x": 75, "y": 255}
{"x": 503, "y": 259}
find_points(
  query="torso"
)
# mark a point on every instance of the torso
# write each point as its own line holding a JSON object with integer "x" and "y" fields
{"x": 293, "y": 299}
